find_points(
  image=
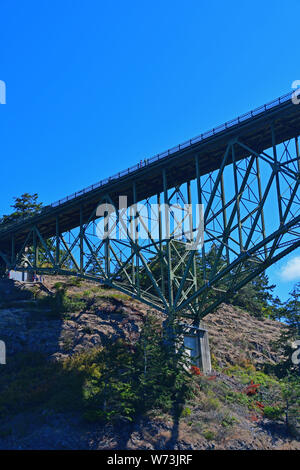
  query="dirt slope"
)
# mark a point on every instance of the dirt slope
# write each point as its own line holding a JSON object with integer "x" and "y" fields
{"x": 211, "y": 421}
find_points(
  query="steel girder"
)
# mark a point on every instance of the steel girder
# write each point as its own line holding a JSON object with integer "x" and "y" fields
{"x": 251, "y": 220}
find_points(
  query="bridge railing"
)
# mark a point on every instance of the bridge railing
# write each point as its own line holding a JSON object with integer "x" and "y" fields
{"x": 179, "y": 147}
{"x": 165, "y": 154}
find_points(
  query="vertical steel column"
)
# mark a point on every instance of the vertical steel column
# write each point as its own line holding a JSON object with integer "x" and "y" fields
{"x": 237, "y": 195}
{"x": 262, "y": 217}
{"x": 13, "y": 251}
{"x": 160, "y": 246}
{"x": 57, "y": 244}
{"x": 188, "y": 190}
{"x": 35, "y": 250}
{"x": 167, "y": 231}
{"x": 199, "y": 194}
{"x": 223, "y": 199}
{"x": 136, "y": 263}
{"x": 194, "y": 271}
{"x": 107, "y": 245}
{"x": 276, "y": 172}
{"x": 297, "y": 153}
{"x": 81, "y": 240}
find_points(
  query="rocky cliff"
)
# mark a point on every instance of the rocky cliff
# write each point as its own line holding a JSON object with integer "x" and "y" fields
{"x": 220, "y": 417}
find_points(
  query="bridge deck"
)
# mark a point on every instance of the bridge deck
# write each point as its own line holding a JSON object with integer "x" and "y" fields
{"x": 252, "y": 128}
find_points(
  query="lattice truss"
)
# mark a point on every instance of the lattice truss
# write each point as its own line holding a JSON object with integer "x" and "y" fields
{"x": 251, "y": 213}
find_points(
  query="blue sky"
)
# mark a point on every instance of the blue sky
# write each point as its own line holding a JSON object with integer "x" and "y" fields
{"x": 94, "y": 86}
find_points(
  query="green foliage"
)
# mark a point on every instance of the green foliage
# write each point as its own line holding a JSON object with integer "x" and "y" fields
{"x": 58, "y": 285}
{"x": 74, "y": 281}
{"x": 289, "y": 335}
{"x": 278, "y": 309}
{"x": 228, "y": 420}
{"x": 273, "y": 412}
{"x": 238, "y": 398}
{"x": 246, "y": 374}
{"x": 133, "y": 380}
{"x": 209, "y": 435}
{"x": 109, "y": 391}
{"x": 214, "y": 363}
{"x": 121, "y": 381}
{"x": 60, "y": 303}
{"x": 86, "y": 293}
{"x": 255, "y": 297}
{"x": 291, "y": 396}
{"x": 213, "y": 403}
{"x": 186, "y": 412}
{"x": 26, "y": 381}
{"x": 288, "y": 404}
{"x": 25, "y": 205}
{"x": 117, "y": 382}
{"x": 280, "y": 397}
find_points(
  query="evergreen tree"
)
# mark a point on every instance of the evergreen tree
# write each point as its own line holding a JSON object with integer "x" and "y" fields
{"x": 256, "y": 296}
{"x": 291, "y": 395}
{"x": 25, "y": 205}
{"x": 290, "y": 334}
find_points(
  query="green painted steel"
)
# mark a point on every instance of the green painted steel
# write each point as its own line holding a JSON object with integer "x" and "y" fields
{"x": 247, "y": 177}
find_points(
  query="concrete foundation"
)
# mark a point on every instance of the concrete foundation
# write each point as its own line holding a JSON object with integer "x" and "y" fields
{"x": 21, "y": 276}
{"x": 197, "y": 346}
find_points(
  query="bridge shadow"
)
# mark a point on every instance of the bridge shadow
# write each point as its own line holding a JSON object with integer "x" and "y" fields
{"x": 131, "y": 434}
{"x": 13, "y": 291}
{"x": 175, "y": 428}
{"x": 34, "y": 379}
{"x": 25, "y": 325}
{"x": 279, "y": 431}
{"x": 33, "y": 336}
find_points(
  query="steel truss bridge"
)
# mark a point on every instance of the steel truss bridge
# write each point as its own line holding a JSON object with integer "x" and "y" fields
{"x": 246, "y": 175}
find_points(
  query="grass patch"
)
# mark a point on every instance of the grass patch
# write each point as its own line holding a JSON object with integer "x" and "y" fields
{"x": 246, "y": 374}
{"x": 60, "y": 304}
{"x": 209, "y": 435}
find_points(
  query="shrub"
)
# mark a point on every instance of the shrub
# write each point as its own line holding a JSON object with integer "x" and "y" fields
{"x": 209, "y": 435}
{"x": 214, "y": 363}
{"x": 186, "y": 412}
{"x": 228, "y": 420}
{"x": 60, "y": 303}
{"x": 116, "y": 382}
{"x": 214, "y": 403}
{"x": 128, "y": 380}
{"x": 58, "y": 285}
{"x": 273, "y": 412}
{"x": 237, "y": 397}
{"x": 86, "y": 293}
{"x": 74, "y": 282}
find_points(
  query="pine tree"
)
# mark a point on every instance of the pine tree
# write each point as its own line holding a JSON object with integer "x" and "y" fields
{"x": 291, "y": 333}
{"x": 256, "y": 296}
{"x": 291, "y": 397}
{"x": 25, "y": 205}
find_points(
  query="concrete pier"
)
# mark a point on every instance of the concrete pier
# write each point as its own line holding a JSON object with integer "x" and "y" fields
{"x": 196, "y": 343}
